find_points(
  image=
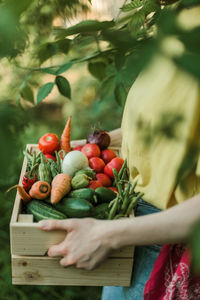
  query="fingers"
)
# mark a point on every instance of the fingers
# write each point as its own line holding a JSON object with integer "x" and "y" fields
{"x": 54, "y": 224}
{"x": 58, "y": 250}
{"x": 68, "y": 260}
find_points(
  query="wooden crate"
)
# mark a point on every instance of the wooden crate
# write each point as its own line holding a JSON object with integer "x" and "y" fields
{"x": 31, "y": 265}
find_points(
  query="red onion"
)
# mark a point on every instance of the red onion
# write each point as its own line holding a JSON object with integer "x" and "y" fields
{"x": 99, "y": 137}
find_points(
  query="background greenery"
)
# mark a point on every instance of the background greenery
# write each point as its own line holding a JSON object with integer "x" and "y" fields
{"x": 50, "y": 70}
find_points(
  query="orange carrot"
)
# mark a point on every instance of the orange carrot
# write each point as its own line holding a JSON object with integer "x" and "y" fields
{"x": 40, "y": 190}
{"x": 60, "y": 186}
{"x": 66, "y": 136}
{"x": 23, "y": 194}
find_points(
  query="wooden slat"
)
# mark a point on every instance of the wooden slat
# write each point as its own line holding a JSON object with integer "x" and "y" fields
{"x": 28, "y": 239}
{"x": 25, "y": 218}
{"x": 29, "y": 270}
{"x": 17, "y": 204}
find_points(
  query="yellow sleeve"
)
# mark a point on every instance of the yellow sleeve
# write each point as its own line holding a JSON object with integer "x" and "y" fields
{"x": 157, "y": 96}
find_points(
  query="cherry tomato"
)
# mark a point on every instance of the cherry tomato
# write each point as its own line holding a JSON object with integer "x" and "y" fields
{"x": 91, "y": 150}
{"x": 47, "y": 155}
{"x": 94, "y": 184}
{"x": 113, "y": 188}
{"x": 104, "y": 179}
{"x": 78, "y": 148}
{"x": 116, "y": 163}
{"x": 49, "y": 143}
{"x": 97, "y": 164}
{"x": 107, "y": 155}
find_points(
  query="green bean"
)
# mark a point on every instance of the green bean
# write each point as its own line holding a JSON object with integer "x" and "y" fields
{"x": 28, "y": 155}
{"x": 113, "y": 210}
{"x": 124, "y": 166}
{"x": 133, "y": 203}
{"x": 132, "y": 191}
{"x": 119, "y": 216}
{"x": 111, "y": 203}
{"x": 126, "y": 199}
{"x": 34, "y": 158}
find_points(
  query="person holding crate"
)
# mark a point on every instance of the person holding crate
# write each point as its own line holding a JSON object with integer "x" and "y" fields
{"x": 166, "y": 166}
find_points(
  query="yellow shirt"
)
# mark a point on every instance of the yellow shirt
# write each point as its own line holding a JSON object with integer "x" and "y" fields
{"x": 159, "y": 95}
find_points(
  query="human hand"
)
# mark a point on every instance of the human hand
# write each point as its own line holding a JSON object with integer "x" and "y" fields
{"x": 86, "y": 244}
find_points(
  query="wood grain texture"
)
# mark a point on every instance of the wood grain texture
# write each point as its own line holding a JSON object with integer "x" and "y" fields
{"x": 28, "y": 239}
{"x": 29, "y": 270}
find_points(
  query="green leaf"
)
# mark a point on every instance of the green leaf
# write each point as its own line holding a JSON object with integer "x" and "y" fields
{"x": 63, "y": 86}
{"x": 120, "y": 38}
{"x": 46, "y": 51}
{"x": 44, "y": 91}
{"x": 150, "y": 6}
{"x": 191, "y": 39}
{"x": 50, "y": 70}
{"x": 57, "y": 71}
{"x": 119, "y": 60}
{"x": 97, "y": 69}
{"x": 63, "y": 45}
{"x": 120, "y": 94}
{"x": 133, "y": 5}
{"x": 190, "y": 63}
{"x": 107, "y": 87}
{"x": 194, "y": 242}
{"x": 64, "y": 68}
{"x": 18, "y": 7}
{"x": 136, "y": 22}
{"x": 83, "y": 27}
{"x": 188, "y": 3}
{"x": 27, "y": 93}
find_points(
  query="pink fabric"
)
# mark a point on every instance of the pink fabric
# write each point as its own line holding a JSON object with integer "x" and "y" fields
{"x": 171, "y": 278}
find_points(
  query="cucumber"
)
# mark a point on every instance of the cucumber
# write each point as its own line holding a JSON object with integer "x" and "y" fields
{"x": 43, "y": 211}
{"x": 84, "y": 193}
{"x": 75, "y": 207}
{"x": 104, "y": 195}
{"x": 101, "y": 211}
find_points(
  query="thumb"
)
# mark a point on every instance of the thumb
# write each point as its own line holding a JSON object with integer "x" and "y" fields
{"x": 53, "y": 225}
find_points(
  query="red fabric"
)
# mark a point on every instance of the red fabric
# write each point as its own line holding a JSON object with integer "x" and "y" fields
{"x": 171, "y": 278}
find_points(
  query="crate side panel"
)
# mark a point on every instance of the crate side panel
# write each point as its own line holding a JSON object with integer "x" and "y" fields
{"x": 47, "y": 271}
{"x": 28, "y": 239}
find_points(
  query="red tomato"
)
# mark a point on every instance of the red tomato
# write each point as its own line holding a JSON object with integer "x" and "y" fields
{"x": 116, "y": 163}
{"x": 107, "y": 155}
{"x": 47, "y": 155}
{"x": 78, "y": 148}
{"x": 104, "y": 179}
{"x": 91, "y": 150}
{"x": 97, "y": 164}
{"x": 49, "y": 143}
{"x": 113, "y": 188}
{"x": 94, "y": 184}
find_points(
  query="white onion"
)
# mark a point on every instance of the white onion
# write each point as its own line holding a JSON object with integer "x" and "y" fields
{"x": 74, "y": 161}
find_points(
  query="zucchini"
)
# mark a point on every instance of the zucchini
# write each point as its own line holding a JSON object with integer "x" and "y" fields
{"x": 43, "y": 211}
{"x": 84, "y": 193}
{"x": 75, "y": 207}
{"x": 101, "y": 211}
{"x": 104, "y": 195}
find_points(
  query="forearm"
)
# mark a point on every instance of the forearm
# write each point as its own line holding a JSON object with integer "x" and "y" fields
{"x": 170, "y": 226}
{"x": 116, "y": 137}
